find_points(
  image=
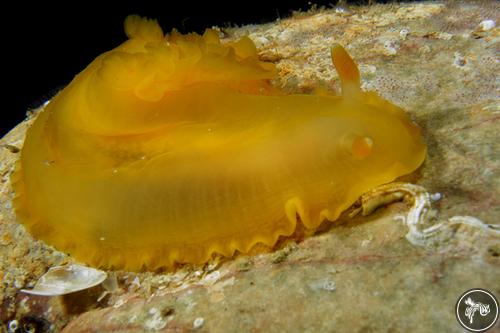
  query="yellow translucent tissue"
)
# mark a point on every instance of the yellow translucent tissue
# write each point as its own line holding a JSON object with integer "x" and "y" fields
{"x": 168, "y": 149}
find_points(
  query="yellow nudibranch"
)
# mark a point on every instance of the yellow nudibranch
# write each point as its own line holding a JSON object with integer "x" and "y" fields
{"x": 171, "y": 148}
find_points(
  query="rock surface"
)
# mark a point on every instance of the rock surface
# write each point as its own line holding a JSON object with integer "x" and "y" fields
{"x": 440, "y": 62}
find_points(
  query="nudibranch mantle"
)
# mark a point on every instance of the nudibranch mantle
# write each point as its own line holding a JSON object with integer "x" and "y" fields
{"x": 170, "y": 148}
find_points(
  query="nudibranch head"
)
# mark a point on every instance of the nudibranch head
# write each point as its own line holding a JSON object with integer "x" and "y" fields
{"x": 168, "y": 149}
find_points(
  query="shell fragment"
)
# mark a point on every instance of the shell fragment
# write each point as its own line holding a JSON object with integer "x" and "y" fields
{"x": 62, "y": 280}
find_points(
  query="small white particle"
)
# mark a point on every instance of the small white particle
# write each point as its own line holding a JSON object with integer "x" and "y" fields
{"x": 403, "y": 33}
{"x": 119, "y": 303}
{"x": 212, "y": 277}
{"x": 436, "y": 196}
{"x": 18, "y": 283}
{"x": 101, "y": 297}
{"x": 442, "y": 35}
{"x": 487, "y": 25}
{"x": 211, "y": 266}
{"x": 115, "y": 170}
{"x": 391, "y": 47}
{"x": 156, "y": 322}
{"x": 13, "y": 326}
{"x": 329, "y": 285}
{"x": 323, "y": 284}
{"x": 261, "y": 41}
{"x": 198, "y": 323}
{"x": 369, "y": 69}
{"x": 102, "y": 238}
{"x": 48, "y": 312}
{"x": 459, "y": 60}
{"x": 365, "y": 243}
{"x": 137, "y": 282}
{"x": 425, "y": 49}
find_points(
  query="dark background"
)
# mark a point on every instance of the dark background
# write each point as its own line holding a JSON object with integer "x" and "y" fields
{"x": 44, "y": 45}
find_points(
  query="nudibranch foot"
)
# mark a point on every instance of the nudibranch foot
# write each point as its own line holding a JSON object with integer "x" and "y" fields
{"x": 172, "y": 148}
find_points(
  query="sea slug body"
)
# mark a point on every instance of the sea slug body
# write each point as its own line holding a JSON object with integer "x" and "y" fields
{"x": 170, "y": 148}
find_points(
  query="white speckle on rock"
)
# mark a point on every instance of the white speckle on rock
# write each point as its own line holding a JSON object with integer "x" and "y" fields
{"x": 285, "y": 36}
{"x": 211, "y": 266}
{"x": 261, "y": 41}
{"x": 367, "y": 69}
{"x": 13, "y": 326}
{"x": 323, "y": 284}
{"x": 212, "y": 277}
{"x": 436, "y": 196}
{"x": 488, "y": 172}
{"x": 103, "y": 294}
{"x": 156, "y": 322}
{"x": 404, "y": 32}
{"x": 8, "y": 205}
{"x": 48, "y": 312}
{"x": 425, "y": 49}
{"x": 487, "y": 25}
{"x": 198, "y": 323}
{"x": 443, "y": 35}
{"x": 136, "y": 281}
{"x": 329, "y": 285}
{"x": 119, "y": 303}
{"x": 391, "y": 47}
{"x": 219, "y": 286}
{"x": 459, "y": 60}
{"x": 18, "y": 282}
{"x": 365, "y": 243}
